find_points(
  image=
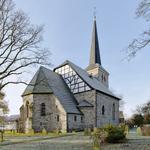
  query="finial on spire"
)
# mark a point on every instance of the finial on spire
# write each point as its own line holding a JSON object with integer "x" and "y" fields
{"x": 95, "y": 13}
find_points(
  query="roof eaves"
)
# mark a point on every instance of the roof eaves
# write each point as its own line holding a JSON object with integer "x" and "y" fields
{"x": 109, "y": 95}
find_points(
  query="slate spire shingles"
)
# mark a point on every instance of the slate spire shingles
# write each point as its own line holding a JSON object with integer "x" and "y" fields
{"x": 95, "y": 51}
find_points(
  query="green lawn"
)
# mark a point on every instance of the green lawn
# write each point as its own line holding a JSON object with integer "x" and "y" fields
{"x": 65, "y": 142}
{"x": 74, "y": 141}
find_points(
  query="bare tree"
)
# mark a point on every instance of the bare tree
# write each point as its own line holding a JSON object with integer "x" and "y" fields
{"x": 3, "y": 110}
{"x": 121, "y": 104}
{"x": 139, "y": 109}
{"x": 143, "y": 11}
{"x": 20, "y": 44}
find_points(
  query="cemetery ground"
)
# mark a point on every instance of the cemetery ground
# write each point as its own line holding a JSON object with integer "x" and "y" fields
{"x": 71, "y": 141}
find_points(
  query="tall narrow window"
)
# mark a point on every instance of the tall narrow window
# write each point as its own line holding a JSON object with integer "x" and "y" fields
{"x": 81, "y": 118}
{"x": 57, "y": 118}
{"x": 43, "y": 109}
{"x": 75, "y": 118}
{"x": 27, "y": 108}
{"x": 113, "y": 112}
{"x": 103, "y": 110}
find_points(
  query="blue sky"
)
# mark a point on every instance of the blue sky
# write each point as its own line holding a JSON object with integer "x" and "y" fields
{"x": 67, "y": 33}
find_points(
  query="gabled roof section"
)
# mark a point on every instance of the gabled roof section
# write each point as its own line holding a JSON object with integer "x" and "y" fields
{"x": 56, "y": 85}
{"x": 12, "y": 118}
{"x": 61, "y": 91}
{"x": 90, "y": 80}
{"x": 85, "y": 103}
{"x": 38, "y": 84}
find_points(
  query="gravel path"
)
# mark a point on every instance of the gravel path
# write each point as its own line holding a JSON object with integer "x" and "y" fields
{"x": 74, "y": 142}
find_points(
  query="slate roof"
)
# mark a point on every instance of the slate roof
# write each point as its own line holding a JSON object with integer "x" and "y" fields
{"x": 12, "y": 118}
{"x": 91, "y": 81}
{"x": 85, "y": 103}
{"x": 53, "y": 83}
{"x": 95, "y": 52}
{"x": 38, "y": 84}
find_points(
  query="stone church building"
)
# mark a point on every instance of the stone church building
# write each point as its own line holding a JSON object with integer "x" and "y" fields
{"x": 69, "y": 97}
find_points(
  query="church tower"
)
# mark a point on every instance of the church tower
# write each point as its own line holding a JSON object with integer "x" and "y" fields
{"x": 95, "y": 66}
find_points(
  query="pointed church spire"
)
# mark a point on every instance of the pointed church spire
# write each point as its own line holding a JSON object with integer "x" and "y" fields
{"x": 95, "y": 52}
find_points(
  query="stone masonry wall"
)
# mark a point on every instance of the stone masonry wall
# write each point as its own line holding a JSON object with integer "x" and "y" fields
{"x": 75, "y": 122}
{"x": 27, "y": 120}
{"x": 100, "y": 74}
{"x": 55, "y": 114}
{"x": 89, "y": 117}
{"x": 107, "y": 102}
{"x": 89, "y": 113}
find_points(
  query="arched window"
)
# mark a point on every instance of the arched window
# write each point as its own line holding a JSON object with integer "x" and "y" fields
{"x": 103, "y": 110}
{"x": 113, "y": 112}
{"x": 43, "y": 109}
{"x": 27, "y": 108}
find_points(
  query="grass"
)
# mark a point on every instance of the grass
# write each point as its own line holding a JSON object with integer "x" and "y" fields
{"x": 11, "y": 134}
{"x": 68, "y": 142}
{"x": 15, "y": 138}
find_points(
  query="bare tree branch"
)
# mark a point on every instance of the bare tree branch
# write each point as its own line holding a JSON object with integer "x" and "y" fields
{"x": 144, "y": 10}
{"x": 143, "y": 40}
{"x": 20, "y": 43}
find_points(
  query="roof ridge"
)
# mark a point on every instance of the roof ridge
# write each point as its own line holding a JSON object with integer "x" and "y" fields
{"x": 93, "y": 83}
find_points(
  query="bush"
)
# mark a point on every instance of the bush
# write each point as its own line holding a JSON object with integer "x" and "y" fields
{"x": 139, "y": 131}
{"x": 125, "y": 128}
{"x": 31, "y": 131}
{"x": 87, "y": 131}
{"x": 114, "y": 134}
{"x": 44, "y": 132}
{"x": 57, "y": 131}
{"x": 145, "y": 130}
{"x": 99, "y": 136}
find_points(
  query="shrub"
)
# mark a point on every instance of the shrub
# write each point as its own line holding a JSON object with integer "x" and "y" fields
{"x": 114, "y": 134}
{"x": 145, "y": 130}
{"x": 139, "y": 131}
{"x": 99, "y": 136}
{"x": 44, "y": 132}
{"x": 57, "y": 131}
{"x": 31, "y": 131}
{"x": 87, "y": 131}
{"x": 125, "y": 128}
